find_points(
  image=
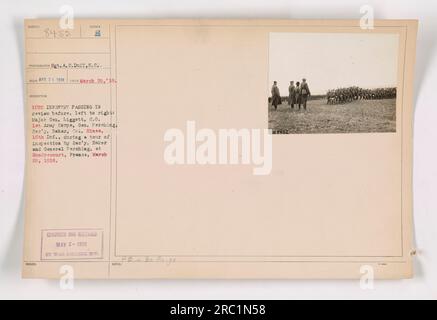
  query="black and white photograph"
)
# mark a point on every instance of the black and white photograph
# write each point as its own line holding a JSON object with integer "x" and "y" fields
{"x": 332, "y": 82}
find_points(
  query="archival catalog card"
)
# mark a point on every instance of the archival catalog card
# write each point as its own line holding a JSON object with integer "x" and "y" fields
{"x": 254, "y": 149}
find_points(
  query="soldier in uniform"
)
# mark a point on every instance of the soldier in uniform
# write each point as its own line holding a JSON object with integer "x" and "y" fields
{"x": 276, "y": 96}
{"x": 305, "y": 93}
{"x": 291, "y": 95}
{"x": 297, "y": 94}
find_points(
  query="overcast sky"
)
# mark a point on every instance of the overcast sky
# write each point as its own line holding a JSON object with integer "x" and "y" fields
{"x": 331, "y": 60}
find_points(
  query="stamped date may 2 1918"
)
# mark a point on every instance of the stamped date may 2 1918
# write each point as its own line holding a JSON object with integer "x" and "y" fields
{"x": 67, "y": 244}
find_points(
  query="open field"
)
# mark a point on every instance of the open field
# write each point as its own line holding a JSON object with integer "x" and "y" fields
{"x": 357, "y": 116}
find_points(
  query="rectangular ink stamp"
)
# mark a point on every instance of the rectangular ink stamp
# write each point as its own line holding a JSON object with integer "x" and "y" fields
{"x": 71, "y": 244}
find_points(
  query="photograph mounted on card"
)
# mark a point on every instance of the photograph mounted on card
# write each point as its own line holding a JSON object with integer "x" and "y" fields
{"x": 243, "y": 149}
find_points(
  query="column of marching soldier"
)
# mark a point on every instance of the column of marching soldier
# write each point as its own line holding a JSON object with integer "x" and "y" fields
{"x": 297, "y": 94}
{"x": 345, "y": 95}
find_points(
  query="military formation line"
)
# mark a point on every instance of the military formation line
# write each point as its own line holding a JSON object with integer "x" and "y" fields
{"x": 346, "y": 95}
{"x": 300, "y": 92}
